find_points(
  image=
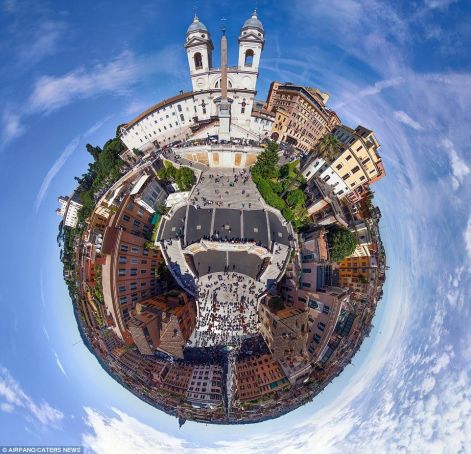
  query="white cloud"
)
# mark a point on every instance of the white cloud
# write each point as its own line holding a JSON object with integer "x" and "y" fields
{"x": 459, "y": 167}
{"x": 467, "y": 237}
{"x": 69, "y": 149}
{"x": 407, "y": 120}
{"x": 439, "y": 4}
{"x": 98, "y": 125}
{"x": 15, "y": 398}
{"x": 43, "y": 42}
{"x": 51, "y": 93}
{"x": 59, "y": 364}
{"x": 12, "y": 127}
{"x": 6, "y": 407}
{"x": 125, "y": 434}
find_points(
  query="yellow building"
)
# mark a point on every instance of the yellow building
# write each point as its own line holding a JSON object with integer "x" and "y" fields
{"x": 359, "y": 163}
{"x": 357, "y": 272}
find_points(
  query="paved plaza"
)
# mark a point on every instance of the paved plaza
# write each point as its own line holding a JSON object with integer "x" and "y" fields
{"x": 226, "y": 188}
{"x": 227, "y": 309}
{"x": 227, "y": 248}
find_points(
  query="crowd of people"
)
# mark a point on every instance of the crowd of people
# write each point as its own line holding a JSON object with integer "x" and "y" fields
{"x": 217, "y": 189}
{"x": 227, "y": 306}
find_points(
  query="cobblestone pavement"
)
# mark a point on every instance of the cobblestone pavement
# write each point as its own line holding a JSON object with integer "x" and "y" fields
{"x": 227, "y": 188}
{"x": 227, "y": 309}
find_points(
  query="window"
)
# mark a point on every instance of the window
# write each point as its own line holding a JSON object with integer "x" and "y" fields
{"x": 355, "y": 169}
{"x": 182, "y": 118}
{"x": 198, "y": 60}
{"x": 134, "y": 261}
{"x": 137, "y": 223}
{"x": 249, "y": 57}
{"x": 321, "y": 326}
{"x": 348, "y": 157}
{"x": 133, "y": 286}
{"x": 179, "y": 108}
{"x": 121, "y": 288}
{"x": 133, "y": 272}
{"x": 123, "y": 299}
{"x": 326, "y": 309}
{"x": 306, "y": 270}
{"x": 122, "y": 259}
{"x": 122, "y": 272}
{"x": 143, "y": 271}
{"x": 126, "y": 217}
{"x": 306, "y": 285}
{"x": 124, "y": 248}
{"x": 338, "y": 166}
{"x": 134, "y": 249}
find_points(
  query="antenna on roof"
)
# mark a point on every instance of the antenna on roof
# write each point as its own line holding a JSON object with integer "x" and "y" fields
{"x": 195, "y": 10}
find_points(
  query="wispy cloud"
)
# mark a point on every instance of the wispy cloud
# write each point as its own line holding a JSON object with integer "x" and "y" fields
{"x": 125, "y": 434}
{"x": 61, "y": 160}
{"x": 467, "y": 238}
{"x": 98, "y": 125}
{"x": 401, "y": 116}
{"x": 53, "y": 92}
{"x": 459, "y": 168}
{"x": 12, "y": 127}
{"x": 14, "y": 398}
{"x": 439, "y": 4}
{"x": 43, "y": 42}
{"x": 59, "y": 364}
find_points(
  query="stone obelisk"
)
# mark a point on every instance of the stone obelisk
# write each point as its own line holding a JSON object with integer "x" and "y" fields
{"x": 224, "y": 105}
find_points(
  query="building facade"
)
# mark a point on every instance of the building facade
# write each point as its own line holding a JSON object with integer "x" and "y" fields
{"x": 284, "y": 331}
{"x": 206, "y": 385}
{"x": 129, "y": 271}
{"x": 258, "y": 376}
{"x": 178, "y": 117}
{"x": 302, "y": 117}
{"x": 68, "y": 209}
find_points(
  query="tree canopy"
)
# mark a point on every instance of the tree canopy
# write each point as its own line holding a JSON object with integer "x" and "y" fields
{"x": 328, "y": 147}
{"x": 185, "y": 178}
{"x": 267, "y": 163}
{"x": 342, "y": 244}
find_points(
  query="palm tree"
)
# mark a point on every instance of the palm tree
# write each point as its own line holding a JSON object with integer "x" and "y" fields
{"x": 328, "y": 147}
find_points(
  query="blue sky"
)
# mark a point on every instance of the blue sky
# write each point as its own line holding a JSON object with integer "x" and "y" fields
{"x": 72, "y": 71}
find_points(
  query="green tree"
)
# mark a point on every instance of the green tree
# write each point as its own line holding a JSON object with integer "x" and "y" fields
{"x": 342, "y": 244}
{"x": 170, "y": 169}
{"x": 267, "y": 163}
{"x": 94, "y": 151}
{"x": 328, "y": 147}
{"x": 295, "y": 198}
{"x": 185, "y": 178}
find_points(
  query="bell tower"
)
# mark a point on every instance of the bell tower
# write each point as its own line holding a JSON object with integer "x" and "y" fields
{"x": 251, "y": 42}
{"x": 199, "y": 47}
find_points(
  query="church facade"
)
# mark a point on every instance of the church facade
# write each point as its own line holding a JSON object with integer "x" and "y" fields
{"x": 196, "y": 113}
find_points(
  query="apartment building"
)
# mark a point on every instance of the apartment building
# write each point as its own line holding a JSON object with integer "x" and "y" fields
{"x": 164, "y": 323}
{"x": 206, "y": 385}
{"x": 258, "y": 376}
{"x": 68, "y": 209}
{"x": 356, "y": 273}
{"x": 149, "y": 193}
{"x": 301, "y": 115}
{"x": 129, "y": 271}
{"x": 284, "y": 330}
{"x": 359, "y": 164}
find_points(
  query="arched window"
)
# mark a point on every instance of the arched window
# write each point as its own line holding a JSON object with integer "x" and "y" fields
{"x": 198, "y": 60}
{"x": 249, "y": 57}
